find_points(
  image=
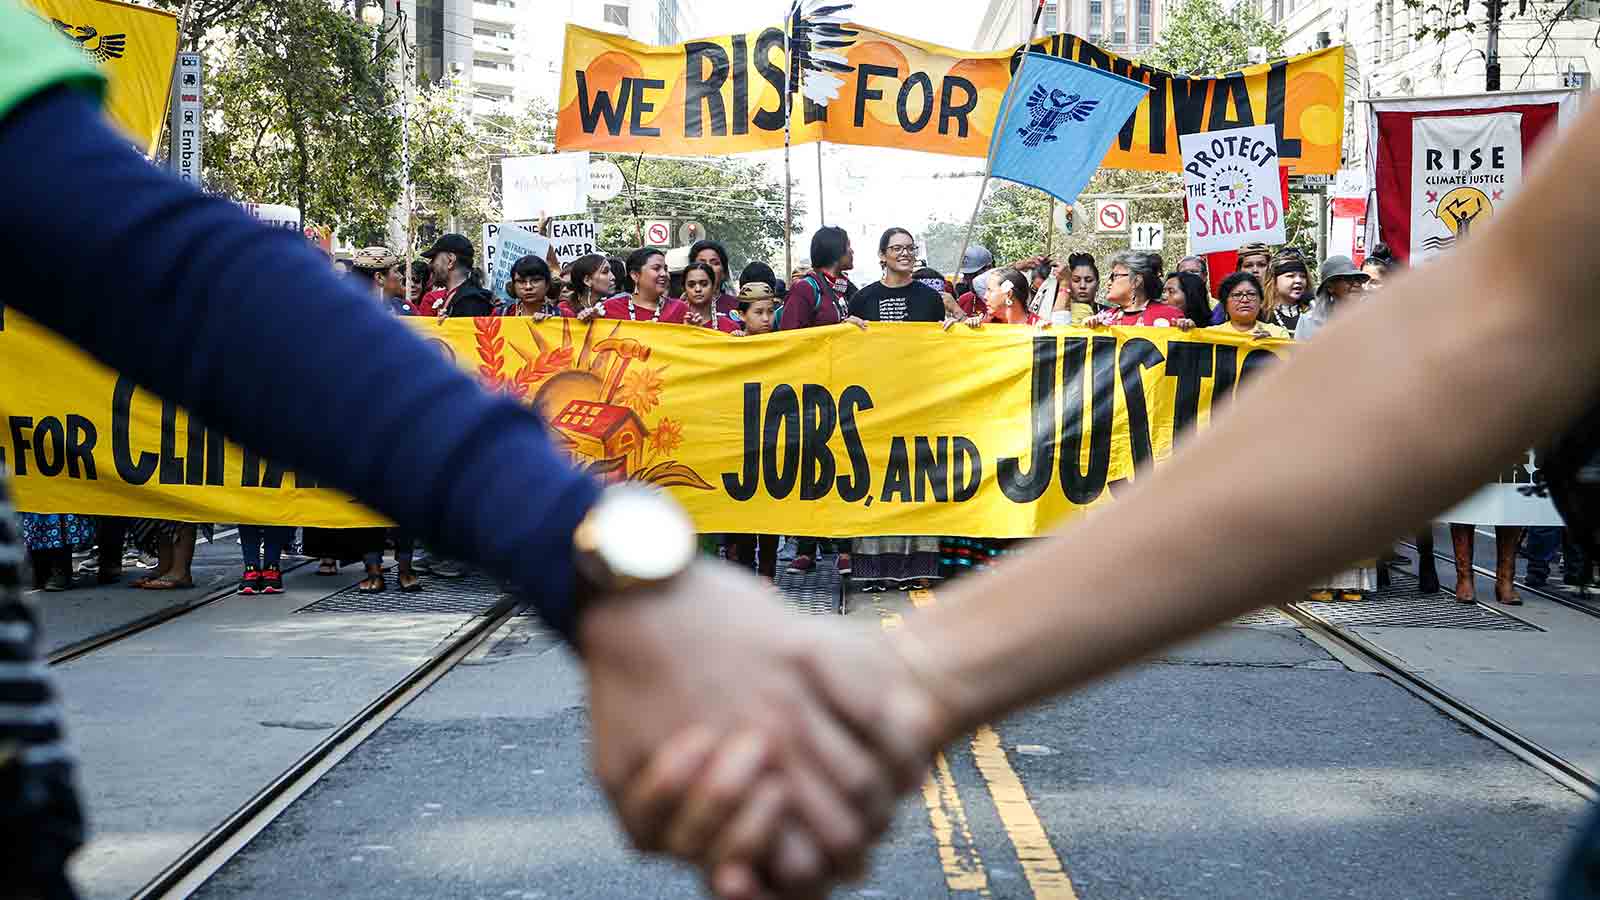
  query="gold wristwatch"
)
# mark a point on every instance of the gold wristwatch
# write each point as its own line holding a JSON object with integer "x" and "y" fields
{"x": 634, "y": 537}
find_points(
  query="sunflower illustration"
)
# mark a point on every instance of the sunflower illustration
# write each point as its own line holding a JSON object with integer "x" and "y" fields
{"x": 641, "y": 389}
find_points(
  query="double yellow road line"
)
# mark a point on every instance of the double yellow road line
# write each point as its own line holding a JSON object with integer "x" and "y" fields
{"x": 958, "y": 852}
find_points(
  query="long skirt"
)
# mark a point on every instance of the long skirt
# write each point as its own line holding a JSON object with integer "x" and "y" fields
{"x": 1361, "y": 577}
{"x": 147, "y": 534}
{"x": 893, "y": 561}
{"x": 51, "y": 531}
{"x": 347, "y": 545}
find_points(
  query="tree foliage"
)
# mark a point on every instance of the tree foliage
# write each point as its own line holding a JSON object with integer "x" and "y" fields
{"x": 1201, "y": 37}
{"x": 736, "y": 200}
{"x": 302, "y": 112}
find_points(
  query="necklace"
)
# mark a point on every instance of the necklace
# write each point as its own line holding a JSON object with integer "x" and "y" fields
{"x": 655, "y": 317}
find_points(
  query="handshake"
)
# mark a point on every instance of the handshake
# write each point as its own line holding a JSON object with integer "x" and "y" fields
{"x": 768, "y": 749}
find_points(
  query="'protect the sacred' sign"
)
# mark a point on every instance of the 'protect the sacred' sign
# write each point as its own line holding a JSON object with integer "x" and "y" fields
{"x": 1230, "y": 179}
{"x": 728, "y": 94}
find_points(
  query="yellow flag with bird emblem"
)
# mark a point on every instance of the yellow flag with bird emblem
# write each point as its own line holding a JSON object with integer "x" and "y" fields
{"x": 134, "y": 46}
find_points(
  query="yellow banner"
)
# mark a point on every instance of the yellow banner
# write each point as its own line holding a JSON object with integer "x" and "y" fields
{"x": 135, "y": 46}
{"x": 725, "y": 95}
{"x": 997, "y": 432}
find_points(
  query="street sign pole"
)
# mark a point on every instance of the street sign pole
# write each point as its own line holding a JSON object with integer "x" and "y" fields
{"x": 186, "y": 120}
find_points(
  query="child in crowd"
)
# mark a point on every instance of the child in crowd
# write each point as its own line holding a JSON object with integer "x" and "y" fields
{"x": 757, "y": 551}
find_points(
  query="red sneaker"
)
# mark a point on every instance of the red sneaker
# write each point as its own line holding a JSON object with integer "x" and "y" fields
{"x": 272, "y": 581}
{"x": 250, "y": 583}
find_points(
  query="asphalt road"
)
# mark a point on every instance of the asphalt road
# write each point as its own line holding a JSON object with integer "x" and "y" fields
{"x": 1250, "y": 765}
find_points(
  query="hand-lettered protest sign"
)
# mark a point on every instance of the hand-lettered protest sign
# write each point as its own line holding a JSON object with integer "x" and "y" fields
{"x": 555, "y": 184}
{"x": 574, "y": 238}
{"x": 503, "y": 245}
{"x": 1230, "y": 179}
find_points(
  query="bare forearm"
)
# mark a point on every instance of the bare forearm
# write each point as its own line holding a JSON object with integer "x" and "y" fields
{"x": 1401, "y": 409}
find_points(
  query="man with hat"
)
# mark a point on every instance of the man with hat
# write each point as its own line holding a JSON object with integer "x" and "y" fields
{"x": 1340, "y": 280}
{"x": 380, "y": 267}
{"x": 451, "y": 257}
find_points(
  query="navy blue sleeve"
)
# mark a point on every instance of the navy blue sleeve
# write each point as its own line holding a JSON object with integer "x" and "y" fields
{"x": 249, "y": 327}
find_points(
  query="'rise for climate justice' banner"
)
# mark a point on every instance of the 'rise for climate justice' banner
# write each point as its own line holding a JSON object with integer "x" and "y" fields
{"x": 724, "y": 95}
{"x": 792, "y": 433}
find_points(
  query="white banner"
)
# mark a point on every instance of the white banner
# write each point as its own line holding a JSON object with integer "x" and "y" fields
{"x": 1504, "y": 503}
{"x": 574, "y": 238}
{"x": 504, "y": 244}
{"x": 1230, "y": 178}
{"x": 533, "y": 188}
{"x": 274, "y": 215}
{"x": 1462, "y": 167}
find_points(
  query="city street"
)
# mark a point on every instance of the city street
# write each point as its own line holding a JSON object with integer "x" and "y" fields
{"x": 1253, "y": 763}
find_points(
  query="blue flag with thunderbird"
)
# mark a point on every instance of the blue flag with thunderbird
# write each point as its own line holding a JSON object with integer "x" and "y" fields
{"x": 1064, "y": 117}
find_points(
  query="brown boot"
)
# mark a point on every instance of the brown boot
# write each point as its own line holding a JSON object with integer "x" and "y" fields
{"x": 1506, "y": 538}
{"x": 1461, "y": 536}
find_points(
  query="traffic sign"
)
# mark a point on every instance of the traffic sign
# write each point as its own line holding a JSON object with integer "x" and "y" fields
{"x": 605, "y": 180}
{"x": 657, "y": 233}
{"x": 1148, "y": 236}
{"x": 1111, "y": 215}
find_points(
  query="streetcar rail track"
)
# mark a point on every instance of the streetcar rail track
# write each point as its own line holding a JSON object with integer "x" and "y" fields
{"x": 189, "y": 871}
{"x": 81, "y": 648}
{"x": 1552, "y": 596}
{"x": 1567, "y": 773}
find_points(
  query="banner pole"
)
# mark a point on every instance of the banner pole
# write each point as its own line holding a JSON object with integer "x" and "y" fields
{"x": 788, "y": 181}
{"x": 1000, "y": 127}
{"x": 1050, "y": 225}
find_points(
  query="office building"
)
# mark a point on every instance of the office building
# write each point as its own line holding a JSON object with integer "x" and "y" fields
{"x": 1126, "y": 27}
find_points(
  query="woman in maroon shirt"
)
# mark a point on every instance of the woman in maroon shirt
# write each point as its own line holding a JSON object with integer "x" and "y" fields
{"x": 647, "y": 266}
{"x": 699, "y": 293}
{"x": 715, "y": 255}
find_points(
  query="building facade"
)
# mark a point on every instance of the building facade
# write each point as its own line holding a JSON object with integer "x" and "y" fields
{"x": 1125, "y": 27}
{"x": 1386, "y": 56}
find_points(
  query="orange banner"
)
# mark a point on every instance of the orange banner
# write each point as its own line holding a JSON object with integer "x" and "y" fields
{"x": 726, "y": 95}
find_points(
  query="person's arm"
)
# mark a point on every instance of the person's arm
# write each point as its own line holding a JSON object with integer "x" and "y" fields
{"x": 159, "y": 282}
{"x": 1426, "y": 408}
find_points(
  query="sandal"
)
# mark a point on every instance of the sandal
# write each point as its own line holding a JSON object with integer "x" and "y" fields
{"x": 365, "y": 587}
{"x": 415, "y": 587}
{"x": 168, "y": 584}
{"x": 327, "y": 568}
{"x": 1514, "y": 600}
{"x": 1319, "y": 596}
{"x": 143, "y": 580}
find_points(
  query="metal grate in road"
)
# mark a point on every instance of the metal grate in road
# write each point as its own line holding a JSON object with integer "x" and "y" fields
{"x": 470, "y": 595}
{"x": 818, "y": 591}
{"x": 1401, "y": 605}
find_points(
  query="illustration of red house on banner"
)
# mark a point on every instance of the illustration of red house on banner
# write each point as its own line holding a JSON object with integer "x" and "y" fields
{"x": 1441, "y": 166}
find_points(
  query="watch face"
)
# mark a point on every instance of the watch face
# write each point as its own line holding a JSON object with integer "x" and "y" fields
{"x": 642, "y": 535}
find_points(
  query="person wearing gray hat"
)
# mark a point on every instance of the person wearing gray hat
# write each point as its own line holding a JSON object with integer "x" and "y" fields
{"x": 1339, "y": 279}
{"x": 976, "y": 261}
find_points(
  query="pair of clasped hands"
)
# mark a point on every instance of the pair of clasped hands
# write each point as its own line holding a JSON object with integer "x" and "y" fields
{"x": 766, "y": 748}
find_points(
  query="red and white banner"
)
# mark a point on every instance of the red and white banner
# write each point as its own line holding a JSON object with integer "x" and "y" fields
{"x": 1439, "y": 166}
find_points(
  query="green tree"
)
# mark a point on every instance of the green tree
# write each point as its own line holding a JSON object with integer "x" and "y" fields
{"x": 737, "y": 201}
{"x": 303, "y": 112}
{"x": 455, "y": 156}
{"x": 1201, "y": 37}
{"x": 941, "y": 243}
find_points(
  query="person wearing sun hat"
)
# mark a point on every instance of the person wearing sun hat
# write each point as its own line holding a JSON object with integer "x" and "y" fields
{"x": 1340, "y": 280}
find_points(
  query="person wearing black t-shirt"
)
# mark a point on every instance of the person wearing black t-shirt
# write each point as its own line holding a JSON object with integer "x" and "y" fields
{"x": 898, "y": 297}
{"x": 903, "y": 563}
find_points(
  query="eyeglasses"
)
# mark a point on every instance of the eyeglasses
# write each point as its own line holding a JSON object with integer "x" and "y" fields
{"x": 528, "y": 279}
{"x": 1244, "y": 295}
{"x": 1115, "y": 275}
{"x": 902, "y": 249}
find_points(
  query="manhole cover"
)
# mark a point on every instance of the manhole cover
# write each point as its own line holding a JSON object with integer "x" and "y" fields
{"x": 469, "y": 595}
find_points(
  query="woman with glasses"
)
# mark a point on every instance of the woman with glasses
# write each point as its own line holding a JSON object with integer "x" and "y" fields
{"x": 529, "y": 288}
{"x": 1242, "y": 299}
{"x": 904, "y": 563}
{"x": 1132, "y": 290}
